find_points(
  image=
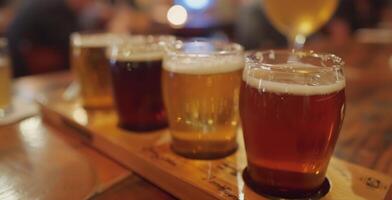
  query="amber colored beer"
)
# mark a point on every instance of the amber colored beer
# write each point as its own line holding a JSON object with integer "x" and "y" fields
{"x": 299, "y": 17}
{"x": 290, "y": 126}
{"x": 5, "y": 84}
{"x": 201, "y": 99}
{"x": 5, "y": 79}
{"x": 91, "y": 68}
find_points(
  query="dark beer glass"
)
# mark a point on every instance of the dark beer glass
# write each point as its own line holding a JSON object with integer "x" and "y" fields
{"x": 291, "y": 106}
{"x": 136, "y": 66}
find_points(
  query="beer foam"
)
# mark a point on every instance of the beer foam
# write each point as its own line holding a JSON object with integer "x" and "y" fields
{"x": 288, "y": 83}
{"x": 137, "y": 56}
{"x": 93, "y": 40}
{"x": 204, "y": 65}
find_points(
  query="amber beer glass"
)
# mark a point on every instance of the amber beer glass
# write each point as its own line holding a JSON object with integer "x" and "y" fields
{"x": 91, "y": 68}
{"x": 136, "y": 67}
{"x": 5, "y": 79}
{"x": 201, "y": 81}
{"x": 292, "y": 106}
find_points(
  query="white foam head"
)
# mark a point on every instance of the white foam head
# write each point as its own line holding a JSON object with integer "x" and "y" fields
{"x": 204, "y": 57}
{"x": 205, "y": 65}
{"x": 296, "y": 79}
{"x": 135, "y": 55}
{"x": 140, "y": 48}
{"x": 93, "y": 40}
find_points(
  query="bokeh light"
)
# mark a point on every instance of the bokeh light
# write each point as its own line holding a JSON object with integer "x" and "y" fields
{"x": 177, "y": 16}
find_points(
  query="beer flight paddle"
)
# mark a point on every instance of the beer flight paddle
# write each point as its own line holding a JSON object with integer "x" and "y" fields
{"x": 290, "y": 102}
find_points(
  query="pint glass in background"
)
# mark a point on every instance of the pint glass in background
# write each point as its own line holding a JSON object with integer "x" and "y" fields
{"x": 201, "y": 82}
{"x": 91, "y": 67}
{"x": 292, "y": 108}
{"x": 5, "y": 79}
{"x": 136, "y": 66}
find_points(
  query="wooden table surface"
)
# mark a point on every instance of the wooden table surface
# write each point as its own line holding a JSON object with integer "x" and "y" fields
{"x": 365, "y": 139}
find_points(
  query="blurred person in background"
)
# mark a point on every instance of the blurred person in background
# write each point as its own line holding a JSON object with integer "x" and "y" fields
{"x": 39, "y": 34}
{"x": 352, "y": 15}
{"x": 128, "y": 18}
{"x": 6, "y": 14}
{"x": 253, "y": 29}
{"x": 361, "y": 13}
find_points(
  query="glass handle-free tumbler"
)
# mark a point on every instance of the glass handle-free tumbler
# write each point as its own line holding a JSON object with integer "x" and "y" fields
{"x": 292, "y": 108}
{"x": 91, "y": 68}
{"x": 201, "y": 81}
{"x": 136, "y": 66}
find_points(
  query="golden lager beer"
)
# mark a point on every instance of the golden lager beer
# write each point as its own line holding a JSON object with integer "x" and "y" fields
{"x": 91, "y": 68}
{"x": 201, "y": 93}
{"x": 299, "y": 17}
{"x": 5, "y": 83}
{"x": 5, "y": 78}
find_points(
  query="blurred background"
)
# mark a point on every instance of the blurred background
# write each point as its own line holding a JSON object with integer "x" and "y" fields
{"x": 38, "y": 30}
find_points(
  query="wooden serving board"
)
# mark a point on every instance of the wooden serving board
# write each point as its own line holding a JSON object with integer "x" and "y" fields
{"x": 35, "y": 164}
{"x": 149, "y": 155}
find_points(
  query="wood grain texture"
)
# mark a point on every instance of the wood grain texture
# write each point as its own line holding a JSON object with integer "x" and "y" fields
{"x": 133, "y": 188}
{"x": 366, "y": 135}
{"x": 38, "y": 165}
{"x": 115, "y": 181}
{"x": 149, "y": 155}
{"x": 19, "y": 183}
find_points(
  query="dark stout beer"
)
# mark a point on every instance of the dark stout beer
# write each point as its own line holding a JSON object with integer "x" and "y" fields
{"x": 136, "y": 66}
{"x": 137, "y": 94}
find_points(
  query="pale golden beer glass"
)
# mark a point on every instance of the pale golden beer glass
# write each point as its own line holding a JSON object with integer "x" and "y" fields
{"x": 201, "y": 83}
{"x": 91, "y": 68}
{"x": 299, "y": 18}
{"x": 5, "y": 79}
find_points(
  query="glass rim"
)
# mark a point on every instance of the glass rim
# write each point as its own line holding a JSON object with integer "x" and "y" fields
{"x": 96, "y": 39}
{"x": 146, "y": 39}
{"x": 254, "y": 58}
{"x": 119, "y": 39}
{"x": 223, "y": 48}
{"x": 132, "y": 45}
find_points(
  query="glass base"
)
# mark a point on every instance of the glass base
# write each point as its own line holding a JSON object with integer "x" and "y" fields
{"x": 279, "y": 193}
{"x": 205, "y": 150}
{"x": 142, "y": 128}
{"x": 98, "y": 107}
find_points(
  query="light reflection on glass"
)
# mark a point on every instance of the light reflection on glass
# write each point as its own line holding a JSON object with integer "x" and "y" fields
{"x": 240, "y": 185}
{"x": 241, "y": 164}
{"x": 80, "y": 116}
{"x": 31, "y": 132}
{"x": 7, "y": 190}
